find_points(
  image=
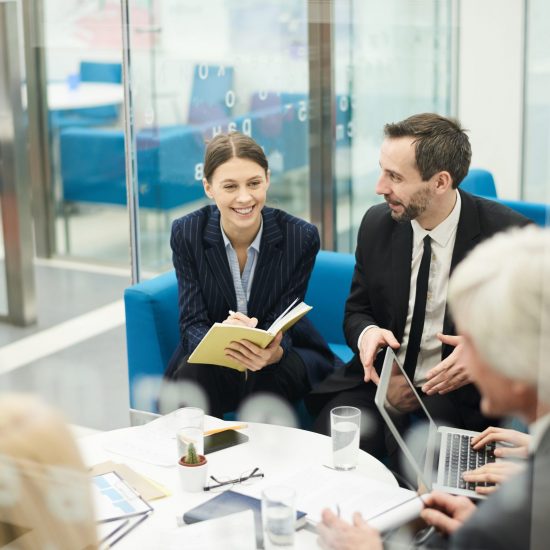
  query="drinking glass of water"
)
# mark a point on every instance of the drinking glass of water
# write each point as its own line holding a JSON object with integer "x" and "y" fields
{"x": 278, "y": 517}
{"x": 190, "y": 426}
{"x": 345, "y": 424}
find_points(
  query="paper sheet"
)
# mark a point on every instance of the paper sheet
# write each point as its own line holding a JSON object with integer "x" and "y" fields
{"x": 319, "y": 487}
{"x": 155, "y": 442}
{"x": 233, "y": 532}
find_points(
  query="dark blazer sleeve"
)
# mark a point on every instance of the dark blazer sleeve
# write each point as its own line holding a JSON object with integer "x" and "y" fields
{"x": 301, "y": 246}
{"x": 194, "y": 321}
{"x": 372, "y": 247}
{"x": 358, "y": 312}
{"x": 306, "y": 246}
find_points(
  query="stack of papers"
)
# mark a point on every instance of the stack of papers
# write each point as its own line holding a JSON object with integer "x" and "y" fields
{"x": 155, "y": 442}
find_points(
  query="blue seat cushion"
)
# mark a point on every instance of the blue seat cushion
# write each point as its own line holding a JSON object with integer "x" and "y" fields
{"x": 343, "y": 351}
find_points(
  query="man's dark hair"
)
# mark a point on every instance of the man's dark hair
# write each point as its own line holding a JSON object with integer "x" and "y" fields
{"x": 224, "y": 147}
{"x": 441, "y": 144}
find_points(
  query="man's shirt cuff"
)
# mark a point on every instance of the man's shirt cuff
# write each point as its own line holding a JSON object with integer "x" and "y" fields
{"x": 363, "y": 332}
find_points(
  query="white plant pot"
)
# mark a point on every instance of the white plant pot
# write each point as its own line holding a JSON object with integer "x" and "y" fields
{"x": 193, "y": 478}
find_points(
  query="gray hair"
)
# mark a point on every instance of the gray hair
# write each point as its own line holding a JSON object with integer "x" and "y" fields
{"x": 500, "y": 294}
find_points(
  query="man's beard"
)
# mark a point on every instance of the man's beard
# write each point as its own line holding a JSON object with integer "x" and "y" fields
{"x": 417, "y": 205}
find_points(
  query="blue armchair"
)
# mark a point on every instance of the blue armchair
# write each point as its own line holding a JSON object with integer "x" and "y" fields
{"x": 97, "y": 71}
{"x": 481, "y": 182}
{"x": 210, "y": 94}
{"x": 152, "y": 330}
{"x": 93, "y": 168}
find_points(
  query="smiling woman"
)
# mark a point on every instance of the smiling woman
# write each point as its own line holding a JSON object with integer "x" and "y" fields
{"x": 239, "y": 189}
{"x": 240, "y": 262}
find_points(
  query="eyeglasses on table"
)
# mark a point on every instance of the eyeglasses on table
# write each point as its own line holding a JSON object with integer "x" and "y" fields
{"x": 216, "y": 484}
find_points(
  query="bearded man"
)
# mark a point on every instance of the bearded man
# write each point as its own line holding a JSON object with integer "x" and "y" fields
{"x": 406, "y": 250}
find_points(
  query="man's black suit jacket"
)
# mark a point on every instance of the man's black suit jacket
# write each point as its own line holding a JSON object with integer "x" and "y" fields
{"x": 380, "y": 286}
{"x": 206, "y": 291}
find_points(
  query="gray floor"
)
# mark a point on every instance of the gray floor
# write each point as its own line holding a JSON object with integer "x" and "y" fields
{"x": 88, "y": 380}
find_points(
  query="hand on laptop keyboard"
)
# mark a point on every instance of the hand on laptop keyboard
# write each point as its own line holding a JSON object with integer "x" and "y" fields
{"x": 462, "y": 457}
{"x": 491, "y": 473}
{"x": 517, "y": 442}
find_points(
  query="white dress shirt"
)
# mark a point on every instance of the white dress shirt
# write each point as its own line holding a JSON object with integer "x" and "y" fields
{"x": 443, "y": 241}
{"x": 243, "y": 282}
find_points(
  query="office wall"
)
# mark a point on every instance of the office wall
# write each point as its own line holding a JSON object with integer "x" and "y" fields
{"x": 536, "y": 162}
{"x": 490, "y": 86}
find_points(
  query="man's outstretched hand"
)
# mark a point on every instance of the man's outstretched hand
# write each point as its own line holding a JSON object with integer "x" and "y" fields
{"x": 371, "y": 341}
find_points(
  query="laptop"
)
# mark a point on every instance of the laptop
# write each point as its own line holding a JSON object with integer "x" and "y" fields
{"x": 439, "y": 455}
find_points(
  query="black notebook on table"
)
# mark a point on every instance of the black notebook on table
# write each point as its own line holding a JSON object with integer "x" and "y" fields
{"x": 230, "y": 502}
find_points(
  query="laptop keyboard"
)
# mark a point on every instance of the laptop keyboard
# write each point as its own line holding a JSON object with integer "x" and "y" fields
{"x": 461, "y": 457}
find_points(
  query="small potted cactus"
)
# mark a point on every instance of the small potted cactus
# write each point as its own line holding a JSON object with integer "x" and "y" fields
{"x": 193, "y": 469}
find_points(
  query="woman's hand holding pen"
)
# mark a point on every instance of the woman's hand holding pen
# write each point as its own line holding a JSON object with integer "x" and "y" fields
{"x": 253, "y": 357}
{"x": 238, "y": 318}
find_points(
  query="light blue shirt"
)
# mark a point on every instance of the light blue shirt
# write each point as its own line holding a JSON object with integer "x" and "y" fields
{"x": 243, "y": 283}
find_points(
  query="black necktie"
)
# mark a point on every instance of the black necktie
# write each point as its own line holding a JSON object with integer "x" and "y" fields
{"x": 419, "y": 311}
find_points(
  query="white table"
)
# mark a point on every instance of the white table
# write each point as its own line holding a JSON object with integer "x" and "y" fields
{"x": 275, "y": 449}
{"x": 84, "y": 96}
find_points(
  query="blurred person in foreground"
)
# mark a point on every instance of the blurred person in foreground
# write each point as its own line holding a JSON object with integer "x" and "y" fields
{"x": 500, "y": 298}
{"x": 45, "y": 492}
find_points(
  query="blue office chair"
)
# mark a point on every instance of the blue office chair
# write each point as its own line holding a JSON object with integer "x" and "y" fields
{"x": 209, "y": 94}
{"x": 279, "y": 122}
{"x": 94, "y": 71}
{"x": 479, "y": 182}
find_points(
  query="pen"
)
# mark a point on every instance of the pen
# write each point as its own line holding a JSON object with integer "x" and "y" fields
{"x": 121, "y": 526}
{"x": 218, "y": 430}
{"x": 145, "y": 516}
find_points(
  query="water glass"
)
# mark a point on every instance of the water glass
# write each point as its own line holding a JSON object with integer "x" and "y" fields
{"x": 345, "y": 425}
{"x": 278, "y": 517}
{"x": 190, "y": 429}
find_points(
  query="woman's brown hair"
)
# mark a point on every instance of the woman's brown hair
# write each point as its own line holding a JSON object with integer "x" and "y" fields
{"x": 224, "y": 147}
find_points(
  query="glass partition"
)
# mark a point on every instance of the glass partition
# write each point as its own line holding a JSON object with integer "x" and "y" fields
{"x": 83, "y": 59}
{"x": 536, "y": 147}
{"x": 211, "y": 67}
{"x": 392, "y": 59}
{"x": 203, "y": 68}
{"x": 3, "y": 282}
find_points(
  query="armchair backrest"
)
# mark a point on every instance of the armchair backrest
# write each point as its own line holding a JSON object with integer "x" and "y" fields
{"x": 99, "y": 71}
{"x": 479, "y": 182}
{"x": 327, "y": 292}
{"x": 211, "y": 98}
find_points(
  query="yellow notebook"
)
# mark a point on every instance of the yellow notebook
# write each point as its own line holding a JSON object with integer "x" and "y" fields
{"x": 211, "y": 348}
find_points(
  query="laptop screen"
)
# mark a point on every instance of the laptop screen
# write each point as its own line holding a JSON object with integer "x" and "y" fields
{"x": 408, "y": 420}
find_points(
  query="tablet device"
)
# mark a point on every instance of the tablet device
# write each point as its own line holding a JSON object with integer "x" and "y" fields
{"x": 223, "y": 440}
